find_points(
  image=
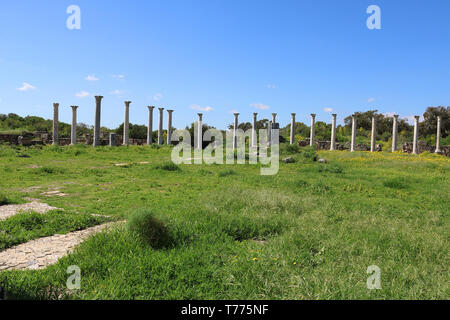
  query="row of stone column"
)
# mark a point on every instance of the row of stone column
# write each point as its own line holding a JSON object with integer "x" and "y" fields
{"x": 126, "y": 139}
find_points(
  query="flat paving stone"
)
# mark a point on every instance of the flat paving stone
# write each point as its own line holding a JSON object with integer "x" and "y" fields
{"x": 42, "y": 252}
{"x": 13, "y": 209}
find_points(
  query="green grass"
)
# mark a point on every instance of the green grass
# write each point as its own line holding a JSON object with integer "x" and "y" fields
{"x": 309, "y": 232}
{"x": 27, "y": 226}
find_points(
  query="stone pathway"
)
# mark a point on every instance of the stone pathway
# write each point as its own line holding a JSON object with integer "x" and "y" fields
{"x": 13, "y": 209}
{"x": 40, "y": 253}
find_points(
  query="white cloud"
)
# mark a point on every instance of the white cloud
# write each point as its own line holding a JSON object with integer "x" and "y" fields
{"x": 91, "y": 77}
{"x": 82, "y": 94}
{"x": 371, "y": 100}
{"x": 118, "y": 76}
{"x": 271, "y": 86}
{"x": 260, "y": 106}
{"x": 328, "y": 110}
{"x": 26, "y": 86}
{"x": 116, "y": 92}
{"x": 200, "y": 108}
{"x": 157, "y": 96}
{"x": 233, "y": 111}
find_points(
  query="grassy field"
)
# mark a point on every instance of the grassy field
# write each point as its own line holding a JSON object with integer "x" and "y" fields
{"x": 309, "y": 232}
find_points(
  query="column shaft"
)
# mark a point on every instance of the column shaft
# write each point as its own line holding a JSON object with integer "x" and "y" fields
{"x": 313, "y": 129}
{"x": 235, "y": 128}
{"x": 374, "y": 134}
{"x": 200, "y": 132}
{"x": 292, "y": 135}
{"x": 416, "y": 135}
{"x": 394, "y": 132}
{"x": 73, "y": 133}
{"x": 150, "y": 125}
{"x": 333, "y": 133}
{"x": 98, "y": 107}
{"x": 438, "y": 135}
{"x": 160, "y": 126}
{"x": 169, "y": 127}
{"x": 353, "y": 144}
{"x": 254, "y": 138}
{"x": 55, "y": 123}
{"x": 126, "y": 124}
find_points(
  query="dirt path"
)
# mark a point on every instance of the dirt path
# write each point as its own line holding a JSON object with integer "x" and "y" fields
{"x": 13, "y": 209}
{"x": 40, "y": 253}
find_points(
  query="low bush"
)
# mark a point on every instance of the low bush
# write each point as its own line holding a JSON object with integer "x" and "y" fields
{"x": 148, "y": 228}
{"x": 168, "y": 166}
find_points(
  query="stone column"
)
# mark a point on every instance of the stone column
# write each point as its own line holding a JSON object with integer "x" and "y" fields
{"x": 98, "y": 107}
{"x": 112, "y": 139}
{"x": 55, "y": 123}
{"x": 200, "y": 132}
{"x": 274, "y": 118}
{"x": 169, "y": 127}
{"x": 374, "y": 134}
{"x": 333, "y": 132}
{"x": 352, "y": 147}
{"x": 313, "y": 129}
{"x": 269, "y": 132}
{"x": 254, "y": 138}
{"x": 438, "y": 135}
{"x": 160, "y": 126}
{"x": 150, "y": 125}
{"x": 73, "y": 133}
{"x": 416, "y": 135}
{"x": 126, "y": 124}
{"x": 235, "y": 128}
{"x": 394, "y": 132}
{"x": 292, "y": 135}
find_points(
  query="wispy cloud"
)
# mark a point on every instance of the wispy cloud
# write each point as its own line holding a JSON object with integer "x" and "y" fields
{"x": 118, "y": 76}
{"x": 82, "y": 94}
{"x": 200, "y": 108}
{"x": 328, "y": 109}
{"x": 91, "y": 77}
{"x": 233, "y": 111}
{"x": 26, "y": 86}
{"x": 260, "y": 106}
{"x": 371, "y": 100}
{"x": 271, "y": 86}
{"x": 157, "y": 96}
{"x": 116, "y": 92}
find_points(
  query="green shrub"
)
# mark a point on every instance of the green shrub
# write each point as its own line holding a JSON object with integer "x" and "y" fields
{"x": 150, "y": 229}
{"x": 225, "y": 173}
{"x": 292, "y": 148}
{"x": 396, "y": 183}
{"x": 333, "y": 168}
{"x": 308, "y": 153}
{"x": 3, "y": 199}
{"x": 168, "y": 166}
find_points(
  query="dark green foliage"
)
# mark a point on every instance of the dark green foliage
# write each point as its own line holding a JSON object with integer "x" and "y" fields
{"x": 150, "y": 229}
{"x": 225, "y": 173}
{"x": 396, "y": 183}
{"x": 167, "y": 166}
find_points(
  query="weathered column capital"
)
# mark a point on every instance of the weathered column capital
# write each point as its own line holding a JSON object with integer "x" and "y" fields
{"x": 236, "y": 114}
{"x": 151, "y": 107}
{"x": 161, "y": 109}
{"x": 169, "y": 111}
{"x": 127, "y": 103}
{"x": 313, "y": 115}
{"x": 417, "y": 118}
{"x": 98, "y": 98}
{"x": 200, "y": 116}
{"x": 293, "y": 114}
{"x": 395, "y": 116}
{"x": 55, "y": 105}
{"x": 334, "y": 115}
{"x": 74, "y": 107}
{"x": 255, "y": 114}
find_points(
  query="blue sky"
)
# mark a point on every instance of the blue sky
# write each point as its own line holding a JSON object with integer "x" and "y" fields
{"x": 247, "y": 55}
